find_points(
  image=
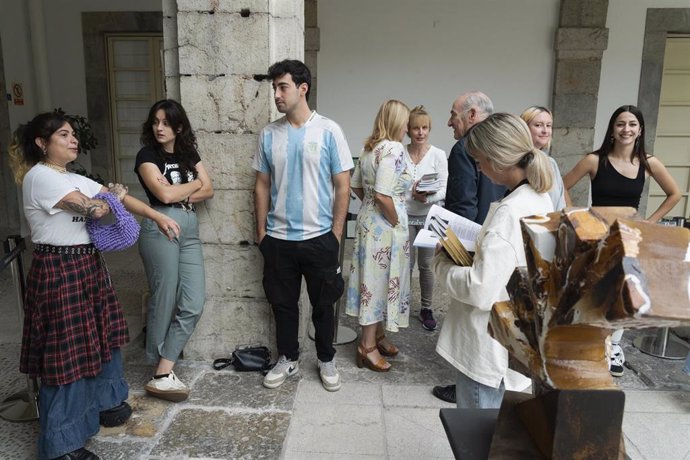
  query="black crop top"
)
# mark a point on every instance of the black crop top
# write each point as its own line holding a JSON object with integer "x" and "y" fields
{"x": 611, "y": 188}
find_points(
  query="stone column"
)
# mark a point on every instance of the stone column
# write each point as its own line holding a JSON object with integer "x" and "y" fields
{"x": 580, "y": 42}
{"x": 312, "y": 44}
{"x": 224, "y": 49}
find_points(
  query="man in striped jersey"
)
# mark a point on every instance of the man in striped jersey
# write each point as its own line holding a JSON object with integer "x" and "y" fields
{"x": 302, "y": 192}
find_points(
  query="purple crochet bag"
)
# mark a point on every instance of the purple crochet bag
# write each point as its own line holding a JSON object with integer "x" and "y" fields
{"x": 117, "y": 236}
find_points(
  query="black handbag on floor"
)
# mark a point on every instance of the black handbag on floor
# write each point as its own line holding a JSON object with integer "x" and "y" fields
{"x": 246, "y": 359}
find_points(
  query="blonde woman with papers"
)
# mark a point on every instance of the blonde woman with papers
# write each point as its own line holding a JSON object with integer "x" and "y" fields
{"x": 429, "y": 168}
{"x": 503, "y": 149}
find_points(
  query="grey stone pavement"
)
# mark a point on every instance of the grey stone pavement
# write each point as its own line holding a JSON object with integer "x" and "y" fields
{"x": 374, "y": 416}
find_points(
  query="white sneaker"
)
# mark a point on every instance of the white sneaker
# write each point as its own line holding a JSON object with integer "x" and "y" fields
{"x": 616, "y": 360}
{"x": 330, "y": 377}
{"x": 169, "y": 388}
{"x": 283, "y": 369}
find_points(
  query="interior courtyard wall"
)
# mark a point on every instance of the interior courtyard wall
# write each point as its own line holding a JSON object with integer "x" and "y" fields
{"x": 224, "y": 51}
{"x": 428, "y": 53}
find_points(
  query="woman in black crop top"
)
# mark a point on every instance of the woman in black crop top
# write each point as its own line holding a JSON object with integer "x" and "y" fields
{"x": 175, "y": 180}
{"x": 619, "y": 168}
{"x": 618, "y": 171}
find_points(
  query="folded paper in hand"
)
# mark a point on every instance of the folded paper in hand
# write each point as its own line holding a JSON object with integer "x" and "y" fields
{"x": 456, "y": 234}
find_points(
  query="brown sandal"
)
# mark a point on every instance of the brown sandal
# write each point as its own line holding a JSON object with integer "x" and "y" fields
{"x": 390, "y": 350}
{"x": 363, "y": 360}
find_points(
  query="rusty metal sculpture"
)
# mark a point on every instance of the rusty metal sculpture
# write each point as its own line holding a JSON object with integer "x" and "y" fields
{"x": 589, "y": 271}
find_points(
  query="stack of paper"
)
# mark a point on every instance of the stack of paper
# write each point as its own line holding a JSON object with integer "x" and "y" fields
{"x": 456, "y": 234}
{"x": 429, "y": 183}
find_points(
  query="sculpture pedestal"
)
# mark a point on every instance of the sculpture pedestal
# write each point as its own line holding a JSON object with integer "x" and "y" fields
{"x": 560, "y": 424}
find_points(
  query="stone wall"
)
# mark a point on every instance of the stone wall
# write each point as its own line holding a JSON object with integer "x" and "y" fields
{"x": 580, "y": 42}
{"x": 220, "y": 56}
{"x": 9, "y": 206}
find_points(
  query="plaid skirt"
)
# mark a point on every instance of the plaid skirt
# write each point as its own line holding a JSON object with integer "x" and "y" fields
{"x": 72, "y": 318}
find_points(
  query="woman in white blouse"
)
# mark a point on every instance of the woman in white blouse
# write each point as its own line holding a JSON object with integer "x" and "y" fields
{"x": 503, "y": 148}
{"x": 423, "y": 158}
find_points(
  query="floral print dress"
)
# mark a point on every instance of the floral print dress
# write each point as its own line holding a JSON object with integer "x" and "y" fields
{"x": 379, "y": 283}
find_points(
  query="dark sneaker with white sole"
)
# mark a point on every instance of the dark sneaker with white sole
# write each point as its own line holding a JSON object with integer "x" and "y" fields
{"x": 426, "y": 316}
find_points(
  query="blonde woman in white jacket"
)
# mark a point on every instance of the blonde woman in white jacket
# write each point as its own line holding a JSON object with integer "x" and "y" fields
{"x": 503, "y": 148}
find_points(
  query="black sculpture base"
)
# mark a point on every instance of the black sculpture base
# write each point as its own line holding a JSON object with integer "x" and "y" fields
{"x": 560, "y": 424}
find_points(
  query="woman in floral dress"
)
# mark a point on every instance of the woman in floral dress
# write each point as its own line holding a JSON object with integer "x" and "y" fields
{"x": 379, "y": 284}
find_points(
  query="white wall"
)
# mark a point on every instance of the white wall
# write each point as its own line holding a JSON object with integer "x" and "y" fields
{"x": 64, "y": 49}
{"x": 620, "y": 69}
{"x": 429, "y": 52}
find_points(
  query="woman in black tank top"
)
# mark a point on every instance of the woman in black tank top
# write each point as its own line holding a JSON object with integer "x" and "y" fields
{"x": 619, "y": 168}
{"x": 618, "y": 171}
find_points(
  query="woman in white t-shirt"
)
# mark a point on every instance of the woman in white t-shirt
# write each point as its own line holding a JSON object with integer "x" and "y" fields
{"x": 423, "y": 159}
{"x": 74, "y": 326}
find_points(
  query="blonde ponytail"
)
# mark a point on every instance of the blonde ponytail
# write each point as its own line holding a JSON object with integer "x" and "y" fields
{"x": 539, "y": 171}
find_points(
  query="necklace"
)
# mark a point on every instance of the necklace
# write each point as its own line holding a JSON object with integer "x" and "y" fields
{"x": 416, "y": 157}
{"x": 60, "y": 169}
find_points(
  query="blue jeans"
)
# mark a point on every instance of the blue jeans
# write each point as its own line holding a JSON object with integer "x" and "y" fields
{"x": 177, "y": 282}
{"x": 474, "y": 395}
{"x": 69, "y": 413}
{"x": 686, "y": 369}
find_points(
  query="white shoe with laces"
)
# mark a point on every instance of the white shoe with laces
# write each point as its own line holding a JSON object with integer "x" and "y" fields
{"x": 283, "y": 369}
{"x": 330, "y": 377}
{"x": 616, "y": 360}
{"x": 169, "y": 388}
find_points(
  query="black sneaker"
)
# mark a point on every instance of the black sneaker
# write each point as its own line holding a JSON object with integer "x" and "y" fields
{"x": 426, "y": 316}
{"x": 446, "y": 393}
{"x": 116, "y": 416}
{"x": 79, "y": 454}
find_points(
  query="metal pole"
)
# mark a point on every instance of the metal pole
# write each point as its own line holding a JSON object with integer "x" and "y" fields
{"x": 21, "y": 406}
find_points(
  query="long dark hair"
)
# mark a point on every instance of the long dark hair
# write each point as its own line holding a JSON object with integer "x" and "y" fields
{"x": 638, "y": 148}
{"x": 24, "y": 153}
{"x": 185, "y": 140}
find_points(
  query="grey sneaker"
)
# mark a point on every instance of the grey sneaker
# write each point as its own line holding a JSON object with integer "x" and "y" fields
{"x": 283, "y": 369}
{"x": 330, "y": 377}
{"x": 617, "y": 360}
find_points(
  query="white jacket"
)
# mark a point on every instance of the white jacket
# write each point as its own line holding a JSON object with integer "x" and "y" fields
{"x": 464, "y": 340}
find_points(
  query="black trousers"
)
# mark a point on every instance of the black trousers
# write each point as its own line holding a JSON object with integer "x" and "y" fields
{"x": 285, "y": 263}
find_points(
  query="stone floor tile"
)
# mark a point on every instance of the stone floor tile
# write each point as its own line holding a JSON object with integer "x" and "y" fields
{"x": 18, "y": 440}
{"x": 656, "y": 435}
{"x": 360, "y": 394}
{"x": 321, "y": 456}
{"x": 412, "y": 396}
{"x": 415, "y": 433}
{"x": 657, "y": 401}
{"x": 242, "y": 389}
{"x": 336, "y": 429}
{"x": 123, "y": 449}
{"x": 216, "y": 434}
